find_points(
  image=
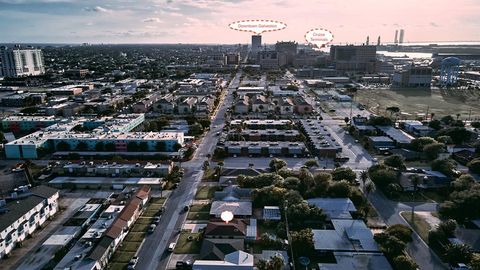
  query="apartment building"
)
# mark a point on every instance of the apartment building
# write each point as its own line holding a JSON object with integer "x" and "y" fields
{"x": 20, "y": 216}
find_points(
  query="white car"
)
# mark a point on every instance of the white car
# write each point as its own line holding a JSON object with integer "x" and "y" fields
{"x": 171, "y": 247}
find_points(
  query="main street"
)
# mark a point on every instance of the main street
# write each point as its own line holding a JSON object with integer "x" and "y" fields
{"x": 153, "y": 253}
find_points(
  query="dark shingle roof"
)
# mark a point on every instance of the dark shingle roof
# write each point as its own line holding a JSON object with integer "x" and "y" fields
{"x": 216, "y": 249}
{"x": 16, "y": 209}
{"x": 44, "y": 191}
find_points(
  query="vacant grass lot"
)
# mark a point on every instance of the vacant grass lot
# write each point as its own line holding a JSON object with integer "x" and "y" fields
{"x": 418, "y": 224}
{"x": 416, "y": 101}
{"x": 205, "y": 192}
{"x": 188, "y": 243}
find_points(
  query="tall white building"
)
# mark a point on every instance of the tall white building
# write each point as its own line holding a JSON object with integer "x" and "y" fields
{"x": 18, "y": 62}
{"x": 402, "y": 35}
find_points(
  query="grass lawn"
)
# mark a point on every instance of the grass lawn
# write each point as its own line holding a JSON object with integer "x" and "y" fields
{"x": 140, "y": 227}
{"x": 200, "y": 208}
{"x": 205, "y": 192}
{"x": 421, "y": 196}
{"x": 267, "y": 227}
{"x": 208, "y": 174}
{"x": 186, "y": 246}
{"x": 130, "y": 246}
{"x": 150, "y": 213}
{"x": 135, "y": 237}
{"x": 122, "y": 257}
{"x": 198, "y": 216}
{"x": 157, "y": 200}
{"x": 118, "y": 266}
{"x": 418, "y": 224}
{"x": 144, "y": 220}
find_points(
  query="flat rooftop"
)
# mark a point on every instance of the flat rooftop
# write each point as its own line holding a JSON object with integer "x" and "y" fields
{"x": 107, "y": 180}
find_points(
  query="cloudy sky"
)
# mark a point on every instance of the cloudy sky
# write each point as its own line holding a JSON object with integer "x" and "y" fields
{"x": 206, "y": 21}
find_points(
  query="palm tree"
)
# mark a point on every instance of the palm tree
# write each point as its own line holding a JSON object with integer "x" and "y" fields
{"x": 369, "y": 187}
{"x": 364, "y": 177}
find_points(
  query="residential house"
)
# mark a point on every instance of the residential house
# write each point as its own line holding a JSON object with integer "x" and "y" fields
{"x": 240, "y": 209}
{"x": 242, "y": 106}
{"x": 216, "y": 249}
{"x": 235, "y": 229}
{"x": 187, "y": 106}
{"x": 237, "y": 260}
{"x": 205, "y": 105}
{"x": 260, "y": 104}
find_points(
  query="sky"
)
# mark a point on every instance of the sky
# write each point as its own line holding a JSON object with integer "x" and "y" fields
{"x": 206, "y": 21}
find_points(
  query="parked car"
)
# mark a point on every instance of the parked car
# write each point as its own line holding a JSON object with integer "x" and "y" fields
{"x": 132, "y": 263}
{"x": 183, "y": 265}
{"x": 171, "y": 247}
{"x": 152, "y": 228}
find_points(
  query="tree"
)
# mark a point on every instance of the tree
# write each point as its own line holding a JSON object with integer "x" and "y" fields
{"x": 393, "y": 110}
{"x": 458, "y": 253}
{"x": 63, "y": 146}
{"x": 178, "y": 146}
{"x": 206, "y": 165}
{"x": 404, "y": 262}
{"x": 82, "y": 146}
{"x": 382, "y": 176}
{"x": 99, "y": 146}
{"x": 463, "y": 182}
{"x": 475, "y": 124}
{"x": 272, "y": 195}
{"x": 364, "y": 176}
{"x": 395, "y": 161}
{"x": 445, "y": 139}
{"x": 459, "y": 135}
{"x": 419, "y": 143}
{"x": 161, "y": 146}
{"x": 275, "y": 263}
{"x": 379, "y": 121}
{"x": 302, "y": 242}
{"x": 474, "y": 165}
{"x": 276, "y": 164}
{"x": 400, "y": 231}
{"x": 311, "y": 163}
{"x": 435, "y": 124}
{"x": 369, "y": 187}
{"x": 445, "y": 166}
{"x": 340, "y": 189}
{"x": 447, "y": 120}
{"x": 432, "y": 150}
{"x": 143, "y": 146}
{"x": 389, "y": 244}
{"x": 259, "y": 181}
{"x": 110, "y": 147}
{"x": 301, "y": 213}
{"x": 344, "y": 173}
{"x": 132, "y": 147}
{"x": 392, "y": 190}
{"x": 475, "y": 261}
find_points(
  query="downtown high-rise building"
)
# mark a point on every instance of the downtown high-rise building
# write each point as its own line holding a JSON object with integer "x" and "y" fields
{"x": 19, "y": 62}
{"x": 256, "y": 43}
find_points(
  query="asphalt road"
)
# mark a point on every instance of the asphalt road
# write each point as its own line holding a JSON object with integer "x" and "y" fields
{"x": 153, "y": 253}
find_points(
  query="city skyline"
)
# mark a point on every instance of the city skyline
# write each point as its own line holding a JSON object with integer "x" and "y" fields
{"x": 206, "y": 21}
